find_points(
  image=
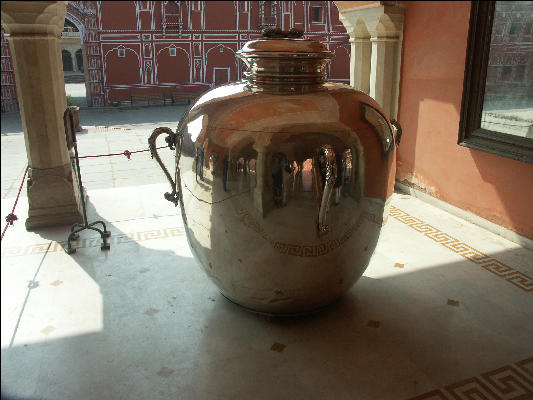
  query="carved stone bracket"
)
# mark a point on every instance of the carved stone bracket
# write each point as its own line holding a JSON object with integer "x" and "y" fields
{"x": 376, "y": 34}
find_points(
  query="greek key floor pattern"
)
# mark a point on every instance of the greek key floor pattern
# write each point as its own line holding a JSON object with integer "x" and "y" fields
{"x": 496, "y": 267}
{"x": 509, "y": 382}
{"x": 486, "y": 262}
{"x": 41, "y": 248}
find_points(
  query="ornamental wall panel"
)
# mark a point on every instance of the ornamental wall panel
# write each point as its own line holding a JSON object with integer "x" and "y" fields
{"x": 173, "y": 64}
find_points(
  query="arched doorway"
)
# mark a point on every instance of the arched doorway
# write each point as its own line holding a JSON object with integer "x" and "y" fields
{"x": 72, "y": 50}
{"x": 79, "y": 60}
{"x": 67, "y": 61}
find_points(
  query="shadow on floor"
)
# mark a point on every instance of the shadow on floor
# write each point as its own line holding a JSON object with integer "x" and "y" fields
{"x": 373, "y": 342}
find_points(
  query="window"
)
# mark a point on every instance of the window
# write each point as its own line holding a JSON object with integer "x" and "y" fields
{"x": 67, "y": 60}
{"x": 497, "y": 104}
{"x": 520, "y": 73}
{"x": 506, "y": 73}
{"x": 267, "y": 12}
{"x": 195, "y": 5}
{"x": 122, "y": 52}
{"x": 316, "y": 14}
{"x": 527, "y": 29}
{"x": 515, "y": 26}
{"x": 144, "y": 5}
{"x": 172, "y": 51}
{"x": 243, "y": 6}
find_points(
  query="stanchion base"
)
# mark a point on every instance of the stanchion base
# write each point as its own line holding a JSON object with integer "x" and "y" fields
{"x": 104, "y": 234}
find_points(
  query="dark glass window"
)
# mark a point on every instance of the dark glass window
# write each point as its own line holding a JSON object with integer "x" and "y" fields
{"x": 316, "y": 14}
{"x": 506, "y": 73}
{"x": 497, "y": 107}
{"x": 519, "y": 73}
{"x": 67, "y": 60}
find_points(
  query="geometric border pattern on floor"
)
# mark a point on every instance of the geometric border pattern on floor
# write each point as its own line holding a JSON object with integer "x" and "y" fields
{"x": 96, "y": 241}
{"x": 505, "y": 383}
{"x": 488, "y": 263}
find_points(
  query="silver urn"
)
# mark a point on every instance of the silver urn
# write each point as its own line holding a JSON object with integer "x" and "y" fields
{"x": 283, "y": 179}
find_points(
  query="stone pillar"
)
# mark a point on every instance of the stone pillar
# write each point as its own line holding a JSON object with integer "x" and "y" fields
{"x": 376, "y": 34}
{"x": 383, "y": 80}
{"x": 35, "y": 30}
{"x": 360, "y": 63}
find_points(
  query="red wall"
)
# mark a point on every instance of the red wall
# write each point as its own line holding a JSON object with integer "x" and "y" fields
{"x": 206, "y": 36}
{"x": 493, "y": 187}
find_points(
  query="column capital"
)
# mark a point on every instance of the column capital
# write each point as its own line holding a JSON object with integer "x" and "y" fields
{"x": 377, "y": 19}
{"x": 34, "y": 17}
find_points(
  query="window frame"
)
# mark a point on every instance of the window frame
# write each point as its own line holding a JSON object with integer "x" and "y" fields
{"x": 243, "y": 7}
{"x": 471, "y": 134}
{"x": 196, "y": 6}
{"x": 320, "y": 14}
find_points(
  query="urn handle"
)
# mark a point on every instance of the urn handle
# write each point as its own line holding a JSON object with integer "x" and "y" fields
{"x": 173, "y": 140}
{"x": 397, "y": 131}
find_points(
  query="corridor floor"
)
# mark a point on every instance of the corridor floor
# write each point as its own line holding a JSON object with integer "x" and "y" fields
{"x": 444, "y": 310}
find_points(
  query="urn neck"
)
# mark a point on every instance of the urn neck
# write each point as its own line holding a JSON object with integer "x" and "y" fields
{"x": 285, "y": 65}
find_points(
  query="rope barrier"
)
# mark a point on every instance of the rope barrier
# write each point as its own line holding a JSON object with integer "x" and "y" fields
{"x": 126, "y": 153}
{"x": 11, "y": 217}
{"x": 105, "y": 128}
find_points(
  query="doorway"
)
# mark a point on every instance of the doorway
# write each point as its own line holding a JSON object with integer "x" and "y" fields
{"x": 220, "y": 75}
{"x": 72, "y": 52}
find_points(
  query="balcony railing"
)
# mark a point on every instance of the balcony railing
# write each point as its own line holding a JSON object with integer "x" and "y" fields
{"x": 66, "y": 34}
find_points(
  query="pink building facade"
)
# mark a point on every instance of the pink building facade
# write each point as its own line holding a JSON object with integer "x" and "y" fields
{"x": 163, "y": 47}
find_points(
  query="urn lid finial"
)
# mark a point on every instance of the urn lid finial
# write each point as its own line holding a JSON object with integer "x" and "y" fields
{"x": 284, "y": 62}
{"x": 293, "y": 33}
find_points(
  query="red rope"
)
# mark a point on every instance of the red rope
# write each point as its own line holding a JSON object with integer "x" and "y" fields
{"x": 11, "y": 217}
{"x": 106, "y": 128}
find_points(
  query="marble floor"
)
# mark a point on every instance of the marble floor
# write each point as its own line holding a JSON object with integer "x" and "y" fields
{"x": 444, "y": 310}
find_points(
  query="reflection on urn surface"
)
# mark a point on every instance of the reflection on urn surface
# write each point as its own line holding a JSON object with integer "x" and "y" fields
{"x": 283, "y": 185}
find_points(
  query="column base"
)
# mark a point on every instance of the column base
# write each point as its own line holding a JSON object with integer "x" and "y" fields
{"x": 53, "y": 198}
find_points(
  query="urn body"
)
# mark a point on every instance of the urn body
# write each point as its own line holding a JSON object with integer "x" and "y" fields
{"x": 284, "y": 180}
{"x": 283, "y": 196}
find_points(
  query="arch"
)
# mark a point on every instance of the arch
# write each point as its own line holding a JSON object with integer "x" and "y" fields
{"x": 67, "y": 60}
{"x": 114, "y": 71}
{"x": 361, "y": 29}
{"x": 171, "y": 69}
{"x": 77, "y": 23}
{"x": 172, "y": 7}
{"x": 220, "y": 59}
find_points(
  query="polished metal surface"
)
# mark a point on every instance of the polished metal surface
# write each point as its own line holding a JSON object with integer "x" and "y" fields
{"x": 284, "y": 192}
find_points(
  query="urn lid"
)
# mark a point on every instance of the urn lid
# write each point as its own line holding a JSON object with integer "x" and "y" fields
{"x": 276, "y": 43}
{"x": 284, "y": 62}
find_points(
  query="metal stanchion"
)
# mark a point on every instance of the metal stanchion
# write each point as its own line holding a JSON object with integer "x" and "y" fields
{"x": 76, "y": 228}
